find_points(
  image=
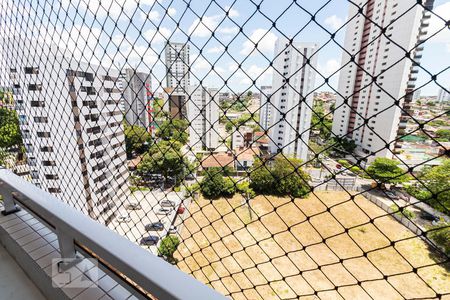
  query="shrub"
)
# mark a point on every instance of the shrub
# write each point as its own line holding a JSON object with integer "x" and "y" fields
{"x": 212, "y": 185}
{"x": 344, "y": 163}
{"x": 403, "y": 213}
{"x": 440, "y": 234}
{"x": 168, "y": 246}
{"x": 245, "y": 189}
{"x": 281, "y": 177}
{"x": 229, "y": 187}
{"x": 355, "y": 169}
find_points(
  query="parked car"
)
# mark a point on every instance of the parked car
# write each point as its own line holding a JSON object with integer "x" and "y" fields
{"x": 123, "y": 218}
{"x": 149, "y": 240}
{"x": 392, "y": 196}
{"x": 181, "y": 209}
{"x": 164, "y": 211}
{"x": 429, "y": 217}
{"x": 173, "y": 229}
{"x": 133, "y": 206}
{"x": 157, "y": 226}
{"x": 167, "y": 203}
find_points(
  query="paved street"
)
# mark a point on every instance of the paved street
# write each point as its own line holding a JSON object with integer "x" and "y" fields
{"x": 134, "y": 230}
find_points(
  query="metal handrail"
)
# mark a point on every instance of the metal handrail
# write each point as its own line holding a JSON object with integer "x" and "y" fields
{"x": 148, "y": 271}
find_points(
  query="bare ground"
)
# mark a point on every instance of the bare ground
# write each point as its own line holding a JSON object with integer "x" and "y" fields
{"x": 324, "y": 246}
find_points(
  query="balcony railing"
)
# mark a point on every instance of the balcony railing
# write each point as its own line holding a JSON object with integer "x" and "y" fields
{"x": 78, "y": 237}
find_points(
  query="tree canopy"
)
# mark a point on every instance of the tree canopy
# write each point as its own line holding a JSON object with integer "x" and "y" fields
{"x": 386, "y": 170}
{"x": 214, "y": 185}
{"x": 9, "y": 129}
{"x": 135, "y": 139}
{"x": 174, "y": 129}
{"x": 282, "y": 176}
{"x": 434, "y": 187}
{"x": 443, "y": 135}
{"x": 168, "y": 246}
{"x": 166, "y": 159}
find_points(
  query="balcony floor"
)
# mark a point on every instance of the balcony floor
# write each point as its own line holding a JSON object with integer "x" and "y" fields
{"x": 14, "y": 283}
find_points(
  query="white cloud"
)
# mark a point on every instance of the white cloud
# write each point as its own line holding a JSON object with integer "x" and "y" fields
{"x": 217, "y": 49}
{"x": 436, "y": 25}
{"x": 219, "y": 70}
{"x": 334, "y": 22}
{"x": 151, "y": 15}
{"x": 232, "y": 66}
{"x": 254, "y": 72}
{"x": 200, "y": 64}
{"x": 204, "y": 27}
{"x": 138, "y": 53}
{"x": 331, "y": 66}
{"x": 210, "y": 24}
{"x": 264, "y": 38}
{"x": 172, "y": 11}
{"x": 232, "y": 13}
{"x": 155, "y": 37}
{"x": 229, "y": 30}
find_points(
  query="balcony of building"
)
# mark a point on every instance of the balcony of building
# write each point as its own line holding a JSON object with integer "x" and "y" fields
{"x": 49, "y": 250}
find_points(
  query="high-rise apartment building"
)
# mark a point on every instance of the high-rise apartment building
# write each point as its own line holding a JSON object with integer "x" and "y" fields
{"x": 137, "y": 95}
{"x": 177, "y": 66}
{"x": 266, "y": 106}
{"x": 443, "y": 96}
{"x": 379, "y": 81}
{"x": 72, "y": 128}
{"x": 178, "y": 78}
{"x": 203, "y": 116}
{"x": 292, "y": 97}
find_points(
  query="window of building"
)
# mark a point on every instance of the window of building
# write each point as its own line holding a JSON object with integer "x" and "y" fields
{"x": 31, "y": 70}
{"x": 35, "y": 87}
{"x": 47, "y": 149}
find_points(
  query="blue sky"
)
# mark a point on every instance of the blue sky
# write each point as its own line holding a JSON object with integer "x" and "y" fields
{"x": 136, "y": 36}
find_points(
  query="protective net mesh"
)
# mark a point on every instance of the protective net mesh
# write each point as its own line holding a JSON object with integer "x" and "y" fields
{"x": 272, "y": 150}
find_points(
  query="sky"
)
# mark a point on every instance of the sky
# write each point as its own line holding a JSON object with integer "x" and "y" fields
{"x": 122, "y": 33}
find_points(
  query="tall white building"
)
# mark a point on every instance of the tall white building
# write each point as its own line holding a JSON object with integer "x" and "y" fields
{"x": 136, "y": 87}
{"x": 177, "y": 66}
{"x": 369, "y": 113}
{"x": 72, "y": 128}
{"x": 292, "y": 97}
{"x": 203, "y": 116}
{"x": 266, "y": 107}
{"x": 443, "y": 96}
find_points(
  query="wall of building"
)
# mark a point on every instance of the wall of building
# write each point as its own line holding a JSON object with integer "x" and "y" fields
{"x": 72, "y": 128}
{"x": 293, "y": 100}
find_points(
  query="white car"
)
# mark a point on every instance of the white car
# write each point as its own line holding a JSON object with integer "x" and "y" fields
{"x": 167, "y": 203}
{"x": 164, "y": 211}
{"x": 123, "y": 218}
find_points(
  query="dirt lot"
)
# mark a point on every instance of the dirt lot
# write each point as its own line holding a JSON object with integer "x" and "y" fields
{"x": 283, "y": 248}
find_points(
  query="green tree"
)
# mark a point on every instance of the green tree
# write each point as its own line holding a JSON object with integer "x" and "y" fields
{"x": 434, "y": 187}
{"x": 174, "y": 129}
{"x": 9, "y": 129}
{"x": 213, "y": 184}
{"x": 136, "y": 138}
{"x": 440, "y": 234}
{"x": 168, "y": 246}
{"x": 443, "y": 135}
{"x": 261, "y": 178}
{"x": 166, "y": 159}
{"x": 283, "y": 176}
{"x": 386, "y": 170}
{"x": 342, "y": 146}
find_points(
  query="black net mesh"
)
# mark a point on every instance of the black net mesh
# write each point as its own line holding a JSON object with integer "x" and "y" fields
{"x": 272, "y": 150}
